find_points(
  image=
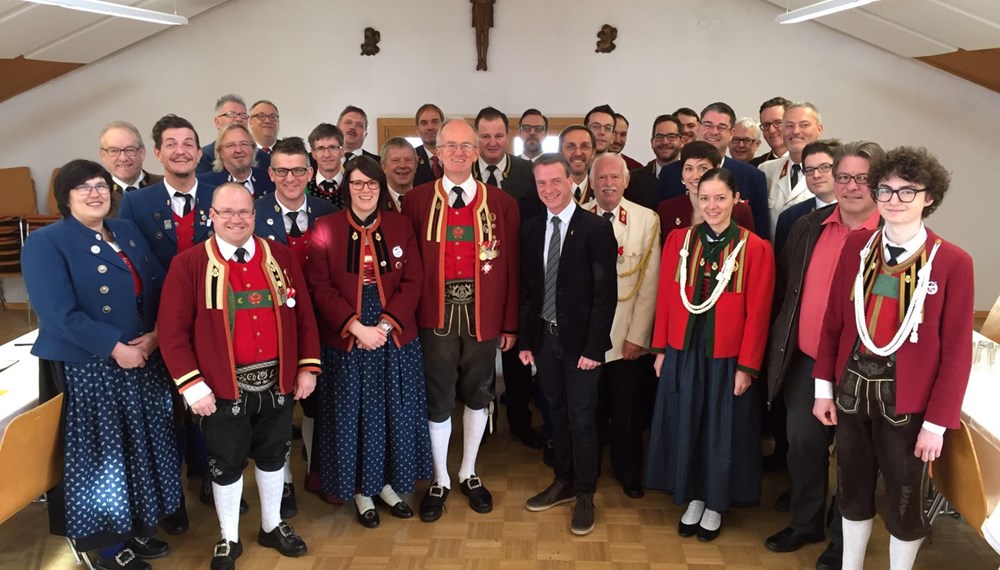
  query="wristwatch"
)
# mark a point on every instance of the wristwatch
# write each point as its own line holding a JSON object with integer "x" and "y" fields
{"x": 385, "y": 325}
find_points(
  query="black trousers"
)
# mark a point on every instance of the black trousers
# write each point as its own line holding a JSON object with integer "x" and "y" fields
{"x": 622, "y": 387}
{"x": 520, "y": 391}
{"x": 808, "y": 452}
{"x": 572, "y": 397}
{"x": 257, "y": 425}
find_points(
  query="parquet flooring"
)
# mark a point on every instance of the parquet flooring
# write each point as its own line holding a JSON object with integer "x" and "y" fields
{"x": 630, "y": 534}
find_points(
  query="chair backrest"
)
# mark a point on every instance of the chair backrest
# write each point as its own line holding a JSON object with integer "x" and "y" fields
{"x": 957, "y": 476}
{"x": 18, "y": 192}
{"x": 31, "y": 458}
{"x": 991, "y": 327}
{"x": 53, "y": 208}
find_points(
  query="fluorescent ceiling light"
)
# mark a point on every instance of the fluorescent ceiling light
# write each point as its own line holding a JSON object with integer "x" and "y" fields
{"x": 819, "y": 9}
{"x": 117, "y": 10}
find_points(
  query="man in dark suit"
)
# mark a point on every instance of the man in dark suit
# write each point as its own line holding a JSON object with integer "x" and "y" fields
{"x": 667, "y": 143}
{"x": 534, "y": 127}
{"x": 326, "y": 144}
{"x": 122, "y": 153}
{"x": 817, "y": 167}
{"x": 772, "y": 113}
{"x": 569, "y": 291}
{"x": 716, "y": 127}
{"x": 496, "y": 167}
{"x": 399, "y": 162}
{"x": 229, "y": 108}
{"x": 264, "y": 124}
{"x": 234, "y": 162}
{"x": 618, "y": 140}
{"x": 353, "y": 122}
{"x": 577, "y": 145}
{"x": 428, "y": 122}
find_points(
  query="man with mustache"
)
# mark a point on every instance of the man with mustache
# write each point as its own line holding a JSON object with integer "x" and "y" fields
{"x": 577, "y": 144}
{"x": 534, "y": 127}
{"x": 234, "y": 162}
{"x": 667, "y": 142}
{"x": 399, "y": 162}
{"x": 353, "y": 122}
{"x": 122, "y": 153}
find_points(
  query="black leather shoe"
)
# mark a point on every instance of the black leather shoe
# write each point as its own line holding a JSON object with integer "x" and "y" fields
{"x": 283, "y": 539}
{"x": 557, "y": 493}
{"x": 176, "y": 522}
{"x": 480, "y": 499}
{"x": 687, "y": 530}
{"x": 225, "y": 555}
{"x": 432, "y": 505}
{"x": 289, "y": 507}
{"x": 784, "y": 501}
{"x": 706, "y": 535}
{"x": 789, "y": 540}
{"x": 400, "y": 510}
{"x": 205, "y": 496}
{"x": 148, "y": 548}
{"x": 633, "y": 492}
{"x": 549, "y": 453}
{"x": 124, "y": 560}
{"x": 832, "y": 558}
{"x": 369, "y": 518}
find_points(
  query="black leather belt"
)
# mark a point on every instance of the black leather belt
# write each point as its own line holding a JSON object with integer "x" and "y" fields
{"x": 257, "y": 377}
{"x": 459, "y": 292}
{"x": 548, "y": 327}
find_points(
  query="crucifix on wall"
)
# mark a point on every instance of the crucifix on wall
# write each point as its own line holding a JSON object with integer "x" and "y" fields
{"x": 482, "y": 21}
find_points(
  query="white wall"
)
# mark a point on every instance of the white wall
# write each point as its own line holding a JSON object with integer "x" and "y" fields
{"x": 670, "y": 54}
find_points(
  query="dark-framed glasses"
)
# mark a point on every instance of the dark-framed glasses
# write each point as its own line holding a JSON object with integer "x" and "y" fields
{"x": 283, "y": 172}
{"x": 86, "y": 189}
{"x": 533, "y": 129}
{"x": 672, "y": 137}
{"x": 233, "y": 115}
{"x": 905, "y": 194}
{"x": 115, "y": 152}
{"x": 371, "y": 183}
{"x": 823, "y": 169}
{"x": 844, "y": 178}
{"x": 262, "y": 116}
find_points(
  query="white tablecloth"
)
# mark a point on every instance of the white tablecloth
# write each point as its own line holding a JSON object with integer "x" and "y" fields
{"x": 981, "y": 413}
{"x": 19, "y": 382}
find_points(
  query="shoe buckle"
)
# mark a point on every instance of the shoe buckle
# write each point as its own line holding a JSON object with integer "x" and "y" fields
{"x": 222, "y": 549}
{"x": 436, "y": 491}
{"x": 474, "y": 482}
{"x": 125, "y": 557}
{"x": 285, "y": 529}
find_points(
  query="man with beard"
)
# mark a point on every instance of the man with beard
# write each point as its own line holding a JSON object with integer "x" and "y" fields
{"x": 122, "y": 153}
{"x": 399, "y": 162}
{"x": 618, "y": 140}
{"x": 264, "y": 124}
{"x": 228, "y": 109}
{"x": 353, "y": 122}
{"x": 667, "y": 143}
{"x": 534, "y": 127}
{"x": 234, "y": 150}
{"x": 428, "y": 122}
{"x": 577, "y": 145}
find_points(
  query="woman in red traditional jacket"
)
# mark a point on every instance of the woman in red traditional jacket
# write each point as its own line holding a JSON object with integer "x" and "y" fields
{"x": 712, "y": 314}
{"x": 365, "y": 274}
{"x": 896, "y": 339}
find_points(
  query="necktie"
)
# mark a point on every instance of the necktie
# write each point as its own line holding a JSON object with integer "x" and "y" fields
{"x": 552, "y": 273}
{"x": 266, "y": 149}
{"x": 459, "y": 199}
{"x": 578, "y": 193}
{"x": 401, "y": 196}
{"x": 348, "y": 156}
{"x": 294, "y": 231}
{"x": 894, "y": 253}
{"x": 795, "y": 174}
{"x": 187, "y": 202}
{"x": 329, "y": 185}
{"x": 608, "y": 216}
{"x": 241, "y": 255}
{"x": 131, "y": 188}
{"x": 492, "y": 178}
{"x": 436, "y": 167}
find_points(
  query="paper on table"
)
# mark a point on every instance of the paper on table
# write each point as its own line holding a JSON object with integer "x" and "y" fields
{"x": 5, "y": 364}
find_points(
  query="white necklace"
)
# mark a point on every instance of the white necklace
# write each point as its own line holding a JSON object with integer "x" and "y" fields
{"x": 723, "y": 276}
{"x": 914, "y": 312}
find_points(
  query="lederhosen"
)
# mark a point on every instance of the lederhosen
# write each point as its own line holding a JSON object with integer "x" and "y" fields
{"x": 871, "y": 436}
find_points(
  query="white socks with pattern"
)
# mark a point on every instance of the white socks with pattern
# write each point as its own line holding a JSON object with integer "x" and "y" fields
{"x": 473, "y": 427}
{"x": 440, "y": 436}
{"x": 693, "y": 513}
{"x": 856, "y": 535}
{"x": 270, "y": 485}
{"x": 389, "y": 496}
{"x": 227, "y": 507}
{"x": 903, "y": 553}
{"x": 364, "y": 503}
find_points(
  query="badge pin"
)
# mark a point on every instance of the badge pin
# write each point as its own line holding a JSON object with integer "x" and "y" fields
{"x": 487, "y": 267}
{"x": 397, "y": 251}
{"x": 290, "y": 303}
{"x": 932, "y": 288}
{"x": 168, "y": 224}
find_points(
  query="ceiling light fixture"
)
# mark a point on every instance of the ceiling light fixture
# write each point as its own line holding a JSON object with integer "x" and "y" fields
{"x": 819, "y": 10}
{"x": 117, "y": 10}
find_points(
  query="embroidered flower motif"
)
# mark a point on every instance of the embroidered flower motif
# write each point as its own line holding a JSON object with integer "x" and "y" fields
{"x": 255, "y": 298}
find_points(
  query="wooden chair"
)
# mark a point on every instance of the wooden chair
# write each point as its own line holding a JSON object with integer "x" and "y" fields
{"x": 991, "y": 327}
{"x": 51, "y": 202}
{"x": 31, "y": 456}
{"x": 958, "y": 479}
{"x": 18, "y": 190}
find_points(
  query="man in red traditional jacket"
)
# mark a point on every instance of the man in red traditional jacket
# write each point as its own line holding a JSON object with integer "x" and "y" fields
{"x": 468, "y": 238}
{"x": 238, "y": 334}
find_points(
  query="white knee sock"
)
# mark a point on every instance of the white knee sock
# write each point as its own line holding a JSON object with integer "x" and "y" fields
{"x": 307, "y": 439}
{"x": 473, "y": 427}
{"x": 287, "y": 471}
{"x": 270, "y": 485}
{"x": 389, "y": 496}
{"x": 856, "y": 534}
{"x": 227, "y": 506}
{"x": 440, "y": 436}
{"x": 902, "y": 553}
{"x": 364, "y": 503}
{"x": 693, "y": 513}
{"x": 711, "y": 520}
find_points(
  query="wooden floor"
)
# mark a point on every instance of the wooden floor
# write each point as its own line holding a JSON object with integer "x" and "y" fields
{"x": 630, "y": 533}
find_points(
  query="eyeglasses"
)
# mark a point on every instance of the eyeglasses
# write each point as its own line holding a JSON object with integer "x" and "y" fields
{"x": 246, "y": 145}
{"x": 371, "y": 183}
{"x": 844, "y": 178}
{"x": 233, "y": 115}
{"x": 326, "y": 149}
{"x": 114, "y": 152}
{"x": 262, "y": 116}
{"x": 86, "y": 189}
{"x": 823, "y": 169}
{"x": 228, "y": 214}
{"x": 722, "y": 127}
{"x": 598, "y": 127}
{"x": 571, "y": 147}
{"x": 776, "y": 125}
{"x": 688, "y": 136}
{"x": 283, "y": 172}
{"x": 672, "y": 137}
{"x": 455, "y": 147}
{"x": 905, "y": 195}
{"x": 744, "y": 141}
{"x": 533, "y": 129}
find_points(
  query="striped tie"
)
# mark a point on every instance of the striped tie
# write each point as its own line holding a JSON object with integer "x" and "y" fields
{"x": 552, "y": 273}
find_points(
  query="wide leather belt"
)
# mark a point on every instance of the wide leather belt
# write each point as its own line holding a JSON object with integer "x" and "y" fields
{"x": 257, "y": 377}
{"x": 459, "y": 292}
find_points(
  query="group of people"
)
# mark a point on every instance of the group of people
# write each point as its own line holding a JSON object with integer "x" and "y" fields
{"x": 184, "y": 316}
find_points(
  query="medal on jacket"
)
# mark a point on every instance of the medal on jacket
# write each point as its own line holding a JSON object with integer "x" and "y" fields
{"x": 621, "y": 254}
{"x": 488, "y": 250}
{"x": 290, "y": 293}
